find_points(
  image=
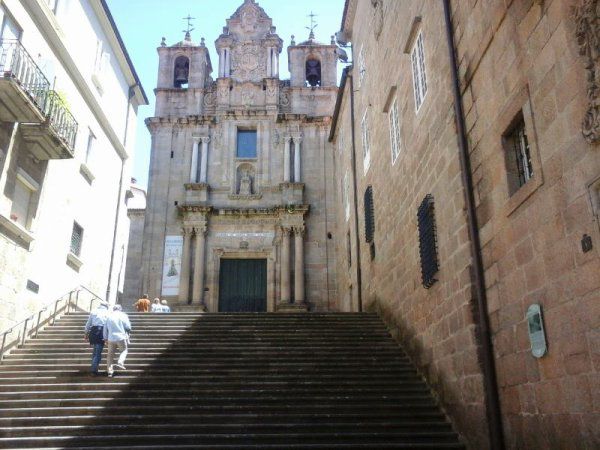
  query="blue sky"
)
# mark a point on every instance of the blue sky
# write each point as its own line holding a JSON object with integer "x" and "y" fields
{"x": 142, "y": 24}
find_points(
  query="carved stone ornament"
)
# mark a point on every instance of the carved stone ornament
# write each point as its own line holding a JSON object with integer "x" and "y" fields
{"x": 248, "y": 93}
{"x": 587, "y": 19}
{"x": 377, "y": 17}
{"x": 210, "y": 99}
{"x": 249, "y": 62}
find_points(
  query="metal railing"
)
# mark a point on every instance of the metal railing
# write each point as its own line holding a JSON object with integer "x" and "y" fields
{"x": 61, "y": 119}
{"x": 71, "y": 301}
{"x": 17, "y": 63}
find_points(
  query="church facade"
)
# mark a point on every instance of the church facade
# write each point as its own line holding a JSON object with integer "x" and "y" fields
{"x": 237, "y": 209}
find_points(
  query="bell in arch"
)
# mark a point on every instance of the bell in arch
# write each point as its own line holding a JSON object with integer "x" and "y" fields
{"x": 182, "y": 71}
{"x": 313, "y": 72}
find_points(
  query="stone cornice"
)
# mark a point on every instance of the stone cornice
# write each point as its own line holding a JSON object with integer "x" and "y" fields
{"x": 192, "y": 208}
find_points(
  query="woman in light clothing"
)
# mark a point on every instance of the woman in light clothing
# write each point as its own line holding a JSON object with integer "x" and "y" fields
{"x": 156, "y": 306}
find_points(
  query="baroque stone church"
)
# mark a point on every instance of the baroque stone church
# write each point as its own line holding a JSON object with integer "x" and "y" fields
{"x": 237, "y": 217}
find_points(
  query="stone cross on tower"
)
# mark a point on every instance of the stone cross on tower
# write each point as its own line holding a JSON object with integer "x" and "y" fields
{"x": 187, "y": 32}
{"x": 313, "y": 25}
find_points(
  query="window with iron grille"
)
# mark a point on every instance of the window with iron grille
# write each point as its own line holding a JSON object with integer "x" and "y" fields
{"x": 394, "y": 131}
{"x": 369, "y": 215}
{"x": 370, "y": 220}
{"x": 427, "y": 241}
{"x": 76, "y": 239}
{"x": 418, "y": 68}
{"x": 518, "y": 157}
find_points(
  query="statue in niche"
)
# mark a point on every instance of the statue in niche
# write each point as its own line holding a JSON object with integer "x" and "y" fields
{"x": 245, "y": 183}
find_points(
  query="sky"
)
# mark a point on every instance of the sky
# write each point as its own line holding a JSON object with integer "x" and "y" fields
{"x": 142, "y": 24}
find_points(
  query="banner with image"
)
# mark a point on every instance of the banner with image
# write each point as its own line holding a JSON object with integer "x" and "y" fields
{"x": 172, "y": 265}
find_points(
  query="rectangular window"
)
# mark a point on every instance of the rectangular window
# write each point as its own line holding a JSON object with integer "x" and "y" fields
{"x": 346, "y": 199}
{"x": 76, "y": 239}
{"x": 427, "y": 241}
{"x": 90, "y": 146}
{"x": 394, "y": 131}
{"x": 362, "y": 68}
{"x": 9, "y": 29}
{"x": 366, "y": 143}
{"x": 246, "y": 144}
{"x": 418, "y": 68}
{"x": 518, "y": 156}
{"x": 21, "y": 208}
{"x": 52, "y": 4}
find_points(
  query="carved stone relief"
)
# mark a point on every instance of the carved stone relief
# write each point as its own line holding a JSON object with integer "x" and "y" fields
{"x": 249, "y": 62}
{"x": 248, "y": 94}
{"x": 377, "y": 17}
{"x": 587, "y": 18}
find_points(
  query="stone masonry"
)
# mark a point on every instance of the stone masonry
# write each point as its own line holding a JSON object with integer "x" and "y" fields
{"x": 527, "y": 65}
{"x": 213, "y": 203}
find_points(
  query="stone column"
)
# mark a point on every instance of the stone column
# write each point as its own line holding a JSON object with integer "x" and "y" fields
{"x": 269, "y": 62}
{"x": 194, "y": 169}
{"x": 198, "y": 291}
{"x": 297, "y": 140}
{"x": 221, "y": 63}
{"x": 285, "y": 265}
{"x": 227, "y": 62}
{"x": 299, "y": 265}
{"x": 286, "y": 160}
{"x": 184, "y": 281}
{"x": 204, "y": 162}
{"x": 275, "y": 62}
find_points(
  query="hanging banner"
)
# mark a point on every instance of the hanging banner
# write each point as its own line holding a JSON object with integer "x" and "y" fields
{"x": 172, "y": 265}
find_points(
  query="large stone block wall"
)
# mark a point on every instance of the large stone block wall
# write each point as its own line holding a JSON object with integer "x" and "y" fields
{"x": 515, "y": 57}
{"x": 435, "y": 325}
{"x": 525, "y": 55}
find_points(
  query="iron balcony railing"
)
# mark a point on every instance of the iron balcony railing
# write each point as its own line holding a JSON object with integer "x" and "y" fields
{"x": 61, "y": 119}
{"x": 16, "y": 63}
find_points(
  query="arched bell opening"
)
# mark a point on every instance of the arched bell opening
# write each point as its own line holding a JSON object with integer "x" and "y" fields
{"x": 181, "y": 72}
{"x": 313, "y": 72}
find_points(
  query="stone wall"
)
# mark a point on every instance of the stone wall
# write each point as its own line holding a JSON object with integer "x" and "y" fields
{"x": 518, "y": 60}
{"x": 524, "y": 55}
{"x": 436, "y": 325}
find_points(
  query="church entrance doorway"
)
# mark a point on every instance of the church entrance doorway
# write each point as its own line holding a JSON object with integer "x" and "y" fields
{"x": 243, "y": 285}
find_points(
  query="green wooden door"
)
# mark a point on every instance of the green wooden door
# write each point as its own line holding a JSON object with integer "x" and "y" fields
{"x": 243, "y": 285}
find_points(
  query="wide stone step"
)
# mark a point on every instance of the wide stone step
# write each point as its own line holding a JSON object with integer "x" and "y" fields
{"x": 222, "y": 381}
{"x": 243, "y": 440}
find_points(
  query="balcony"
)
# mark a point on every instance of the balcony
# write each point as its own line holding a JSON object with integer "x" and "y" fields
{"x": 23, "y": 87}
{"x": 45, "y": 122}
{"x": 55, "y": 137}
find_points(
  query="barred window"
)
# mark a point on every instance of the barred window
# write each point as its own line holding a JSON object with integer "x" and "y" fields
{"x": 366, "y": 144}
{"x": 369, "y": 215}
{"x": 76, "y": 239}
{"x": 427, "y": 241}
{"x": 418, "y": 69}
{"x": 394, "y": 131}
{"x": 518, "y": 156}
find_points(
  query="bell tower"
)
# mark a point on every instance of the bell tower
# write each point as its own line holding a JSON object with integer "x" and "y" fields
{"x": 311, "y": 63}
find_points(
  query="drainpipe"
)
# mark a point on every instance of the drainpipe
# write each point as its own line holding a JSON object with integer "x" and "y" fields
{"x": 355, "y": 189}
{"x": 494, "y": 415}
{"x": 131, "y": 94}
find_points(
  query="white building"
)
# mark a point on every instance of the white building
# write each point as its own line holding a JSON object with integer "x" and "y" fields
{"x": 69, "y": 97}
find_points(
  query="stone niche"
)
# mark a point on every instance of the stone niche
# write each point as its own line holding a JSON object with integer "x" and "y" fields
{"x": 246, "y": 183}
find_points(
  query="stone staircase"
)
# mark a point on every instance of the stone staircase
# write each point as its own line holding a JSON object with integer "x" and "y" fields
{"x": 222, "y": 381}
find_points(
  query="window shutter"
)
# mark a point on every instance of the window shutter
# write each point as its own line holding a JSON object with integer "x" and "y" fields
{"x": 369, "y": 215}
{"x": 427, "y": 241}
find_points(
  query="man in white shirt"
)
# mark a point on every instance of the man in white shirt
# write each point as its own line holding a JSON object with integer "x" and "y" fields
{"x": 164, "y": 307}
{"x": 116, "y": 333}
{"x": 94, "y": 333}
